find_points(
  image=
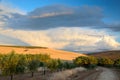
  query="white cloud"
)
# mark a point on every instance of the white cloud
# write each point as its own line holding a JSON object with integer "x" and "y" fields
{"x": 9, "y": 8}
{"x": 47, "y": 18}
{"x": 6, "y": 13}
{"x": 74, "y": 39}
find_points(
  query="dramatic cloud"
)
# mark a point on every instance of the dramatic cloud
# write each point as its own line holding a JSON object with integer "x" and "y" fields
{"x": 73, "y": 39}
{"x": 58, "y": 15}
{"x": 114, "y": 27}
{"x": 45, "y": 27}
{"x": 54, "y": 16}
{"x": 6, "y": 13}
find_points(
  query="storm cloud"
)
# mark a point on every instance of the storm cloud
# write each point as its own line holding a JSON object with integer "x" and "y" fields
{"x": 56, "y": 16}
{"x": 114, "y": 27}
{"x": 78, "y": 29}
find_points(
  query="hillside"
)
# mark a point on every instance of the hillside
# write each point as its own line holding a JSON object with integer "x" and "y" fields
{"x": 64, "y": 55}
{"x": 109, "y": 54}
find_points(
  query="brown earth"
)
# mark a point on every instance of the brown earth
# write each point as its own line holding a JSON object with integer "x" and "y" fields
{"x": 64, "y": 55}
{"x": 85, "y": 75}
{"x": 117, "y": 72}
{"x": 110, "y": 54}
{"x": 95, "y": 74}
{"x": 100, "y": 73}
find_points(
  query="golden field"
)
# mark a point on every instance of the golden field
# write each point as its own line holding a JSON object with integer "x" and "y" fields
{"x": 64, "y": 55}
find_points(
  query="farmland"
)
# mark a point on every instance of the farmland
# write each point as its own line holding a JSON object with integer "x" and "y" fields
{"x": 28, "y": 65}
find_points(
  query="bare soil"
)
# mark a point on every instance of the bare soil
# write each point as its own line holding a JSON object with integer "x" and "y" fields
{"x": 27, "y": 76}
{"x": 99, "y": 74}
{"x": 85, "y": 75}
{"x": 117, "y": 72}
{"x": 96, "y": 74}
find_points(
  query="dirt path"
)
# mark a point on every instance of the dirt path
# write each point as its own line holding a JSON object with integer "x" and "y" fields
{"x": 93, "y": 76}
{"x": 96, "y": 74}
{"x": 108, "y": 74}
{"x": 85, "y": 75}
{"x": 99, "y": 74}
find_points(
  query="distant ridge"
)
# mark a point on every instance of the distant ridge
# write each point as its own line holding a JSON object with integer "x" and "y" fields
{"x": 115, "y": 54}
{"x": 64, "y": 55}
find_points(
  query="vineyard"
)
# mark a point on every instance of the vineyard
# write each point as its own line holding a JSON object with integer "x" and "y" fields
{"x": 13, "y": 64}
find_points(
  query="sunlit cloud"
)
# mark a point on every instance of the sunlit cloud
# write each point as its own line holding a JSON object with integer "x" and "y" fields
{"x": 78, "y": 29}
{"x": 74, "y": 39}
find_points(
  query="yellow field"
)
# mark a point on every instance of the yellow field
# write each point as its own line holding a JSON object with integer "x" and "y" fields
{"x": 64, "y": 55}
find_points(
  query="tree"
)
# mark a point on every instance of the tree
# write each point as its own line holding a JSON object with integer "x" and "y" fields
{"x": 44, "y": 60}
{"x": 117, "y": 63}
{"x": 68, "y": 65}
{"x": 53, "y": 64}
{"x": 21, "y": 65}
{"x": 105, "y": 62}
{"x": 92, "y": 62}
{"x": 9, "y": 63}
{"x": 12, "y": 63}
{"x": 81, "y": 61}
{"x": 60, "y": 65}
{"x": 43, "y": 57}
{"x": 32, "y": 66}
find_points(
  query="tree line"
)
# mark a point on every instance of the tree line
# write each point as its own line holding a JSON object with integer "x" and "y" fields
{"x": 13, "y": 63}
{"x": 92, "y": 62}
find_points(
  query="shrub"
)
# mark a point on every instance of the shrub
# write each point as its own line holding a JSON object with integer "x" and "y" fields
{"x": 106, "y": 62}
{"x": 117, "y": 63}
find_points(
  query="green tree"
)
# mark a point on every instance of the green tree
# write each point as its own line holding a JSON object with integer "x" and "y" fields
{"x": 117, "y": 63}
{"x": 9, "y": 63}
{"x": 68, "y": 65}
{"x": 60, "y": 65}
{"x": 53, "y": 64}
{"x": 92, "y": 62}
{"x": 43, "y": 57}
{"x": 81, "y": 61}
{"x": 32, "y": 66}
{"x": 21, "y": 65}
{"x": 105, "y": 62}
{"x": 44, "y": 61}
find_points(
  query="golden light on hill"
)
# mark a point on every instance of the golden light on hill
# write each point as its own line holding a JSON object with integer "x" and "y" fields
{"x": 64, "y": 55}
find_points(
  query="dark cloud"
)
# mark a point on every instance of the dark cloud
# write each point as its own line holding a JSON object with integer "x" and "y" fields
{"x": 50, "y": 9}
{"x": 57, "y": 16}
{"x": 1, "y": 10}
{"x": 114, "y": 27}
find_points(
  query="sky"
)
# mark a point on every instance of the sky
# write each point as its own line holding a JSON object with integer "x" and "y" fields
{"x": 73, "y": 25}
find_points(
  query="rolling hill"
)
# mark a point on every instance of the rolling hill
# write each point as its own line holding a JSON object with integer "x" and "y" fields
{"x": 64, "y": 55}
{"x": 110, "y": 54}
